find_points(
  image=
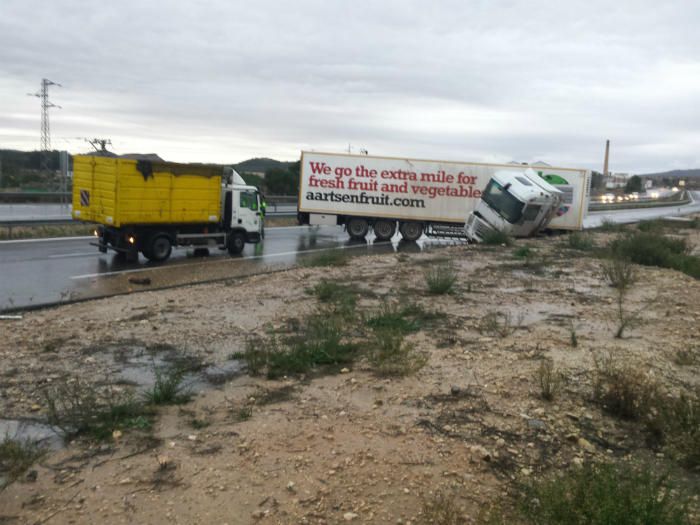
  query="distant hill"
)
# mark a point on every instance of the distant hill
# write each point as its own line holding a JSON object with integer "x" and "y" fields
{"x": 681, "y": 174}
{"x": 261, "y": 165}
{"x": 142, "y": 156}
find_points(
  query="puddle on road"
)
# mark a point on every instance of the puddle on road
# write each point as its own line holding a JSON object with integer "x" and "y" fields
{"x": 27, "y": 430}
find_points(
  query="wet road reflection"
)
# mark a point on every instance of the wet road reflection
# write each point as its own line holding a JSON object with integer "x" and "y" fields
{"x": 59, "y": 270}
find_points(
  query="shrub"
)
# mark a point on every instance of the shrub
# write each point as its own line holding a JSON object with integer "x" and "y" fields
{"x": 580, "y": 241}
{"x": 623, "y": 391}
{"x": 608, "y": 225}
{"x": 321, "y": 341}
{"x": 393, "y": 316}
{"x": 686, "y": 357}
{"x": 619, "y": 272}
{"x": 523, "y": 251}
{"x": 498, "y": 324}
{"x": 497, "y": 237}
{"x": 654, "y": 249}
{"x": 678, "y": 422}
{"x": 654, "y": 225}
{"x": 604, "y": 494}
{"x": 16, "y": 456}
{"x": 168, "y": 388}
{"x": 573, "y": 336}
{"x": 342, "y": 295}
{"x": 390, "y": 355}
{"x": 77, "y": 407}
{"x": 441, "y": 278}
{"x": 549, "y": 380}
{"x": 441, "y": 509}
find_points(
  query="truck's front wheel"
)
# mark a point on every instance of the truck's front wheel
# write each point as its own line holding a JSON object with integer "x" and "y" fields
{"x": 159, "y": 248}
{"x": 236, "y": 243}
{"x": 384, "y": 230}
{"x": 357, "y": 228}
{"x": 411, "y": 231}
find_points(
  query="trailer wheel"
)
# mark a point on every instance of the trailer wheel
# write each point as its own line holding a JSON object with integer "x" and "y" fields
{"x": 411, "y": 231}
{"x": 357, "y": 228}
{"x": 159, "y": 248}
{"x": 236, "y": 243}
{"x": 384, "y": 230}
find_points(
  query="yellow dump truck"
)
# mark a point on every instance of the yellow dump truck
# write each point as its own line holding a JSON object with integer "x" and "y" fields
{"x": 149, "y": 207}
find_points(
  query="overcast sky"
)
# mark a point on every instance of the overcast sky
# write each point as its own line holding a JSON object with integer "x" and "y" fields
{"x": 496, "y": 80}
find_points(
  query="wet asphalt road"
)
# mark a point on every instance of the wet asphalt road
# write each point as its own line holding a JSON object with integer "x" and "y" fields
{"x": 44, "y": 271}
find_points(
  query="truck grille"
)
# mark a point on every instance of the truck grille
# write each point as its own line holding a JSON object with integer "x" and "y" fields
{"x": 446, "y": 230}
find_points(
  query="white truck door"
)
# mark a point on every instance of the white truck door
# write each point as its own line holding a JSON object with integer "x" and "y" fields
{"x": 247, "y": 211}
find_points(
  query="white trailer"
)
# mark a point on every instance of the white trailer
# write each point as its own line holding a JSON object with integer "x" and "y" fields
{"x": 417, "y": 196}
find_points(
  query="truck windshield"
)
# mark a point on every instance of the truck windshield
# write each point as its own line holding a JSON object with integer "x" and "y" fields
{"x": 503, "y": 203}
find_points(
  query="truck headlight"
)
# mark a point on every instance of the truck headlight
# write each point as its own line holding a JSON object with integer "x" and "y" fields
{"x": 131, "y": 239}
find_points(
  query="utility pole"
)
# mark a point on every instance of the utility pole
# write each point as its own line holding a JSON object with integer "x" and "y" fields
{"x": 45, "y": 129}
{"x": 102, "y": 143}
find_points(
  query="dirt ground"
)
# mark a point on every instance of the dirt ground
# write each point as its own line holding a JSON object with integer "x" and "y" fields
{"x": 349, "y": 446}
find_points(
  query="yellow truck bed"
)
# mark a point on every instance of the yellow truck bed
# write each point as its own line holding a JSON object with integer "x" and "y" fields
{"x": 119, "y": 192}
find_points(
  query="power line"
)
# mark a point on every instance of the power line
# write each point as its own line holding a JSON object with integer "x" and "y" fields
{"x": 43, "y": 94}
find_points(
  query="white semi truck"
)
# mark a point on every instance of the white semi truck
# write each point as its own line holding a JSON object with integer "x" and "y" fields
{"x": 435, "y": 198}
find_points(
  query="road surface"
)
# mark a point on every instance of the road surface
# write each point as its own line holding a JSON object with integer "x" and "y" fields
{"x": 49, "y": 270}
{"x": 43, "y": 271}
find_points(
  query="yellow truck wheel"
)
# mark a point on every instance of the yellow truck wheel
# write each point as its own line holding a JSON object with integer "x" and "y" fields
{"x": 159, "y": 248}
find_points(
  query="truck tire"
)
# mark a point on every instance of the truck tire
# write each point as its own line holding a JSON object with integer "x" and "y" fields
{"x": 159, "y": 248}
{"x": 384, "y": 229}
{"x": 357, "y": 228}
{"x": 236, "y": 243}
{"x": 411, "y": 231}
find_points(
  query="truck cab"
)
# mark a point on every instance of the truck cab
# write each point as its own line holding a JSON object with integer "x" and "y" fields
{"x": 518, "y": 203}
{"x": 243, "y": 216}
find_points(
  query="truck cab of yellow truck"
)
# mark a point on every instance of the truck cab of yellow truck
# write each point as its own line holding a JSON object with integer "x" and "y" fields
{"x": 150, "y": 207}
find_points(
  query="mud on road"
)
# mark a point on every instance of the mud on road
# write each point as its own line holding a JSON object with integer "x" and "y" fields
{"x": 346, "y": 444}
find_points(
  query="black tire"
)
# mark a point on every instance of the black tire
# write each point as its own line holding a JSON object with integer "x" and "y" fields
{"x": 384, "y": 229}
{"x": 411, "y": 231}
{"x": 236, "y": 243}
{"x": 357, "y": 228}
{"x": 159, "y": 248}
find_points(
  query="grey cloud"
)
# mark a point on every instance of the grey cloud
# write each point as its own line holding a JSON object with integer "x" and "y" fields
{"x": 471, "y": 80}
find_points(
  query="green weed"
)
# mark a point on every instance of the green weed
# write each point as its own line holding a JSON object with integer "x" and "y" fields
{"x": 497, "y": 237}
{"x": 677, "y": 424}
{"x": 321, "y": 341}
{"x": 580, "y": 241}
{"x": 441, "y": 509}
{"x": 549, "y": 380}
{"x": 604, "y": 494}
{"x": 16, "y": 457}
{"x": 654, "y": 249}
{"x": 499, "y": 324}
{"x": 391, "y": 355}
{"x": 622, "y": 390}
{"x": 76, "y": 408}
{"x": 168, "y": 388}
{"x": 440, "y": 278}
{"x": 326, "y": 258}
{"x": 523, "y": 252}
